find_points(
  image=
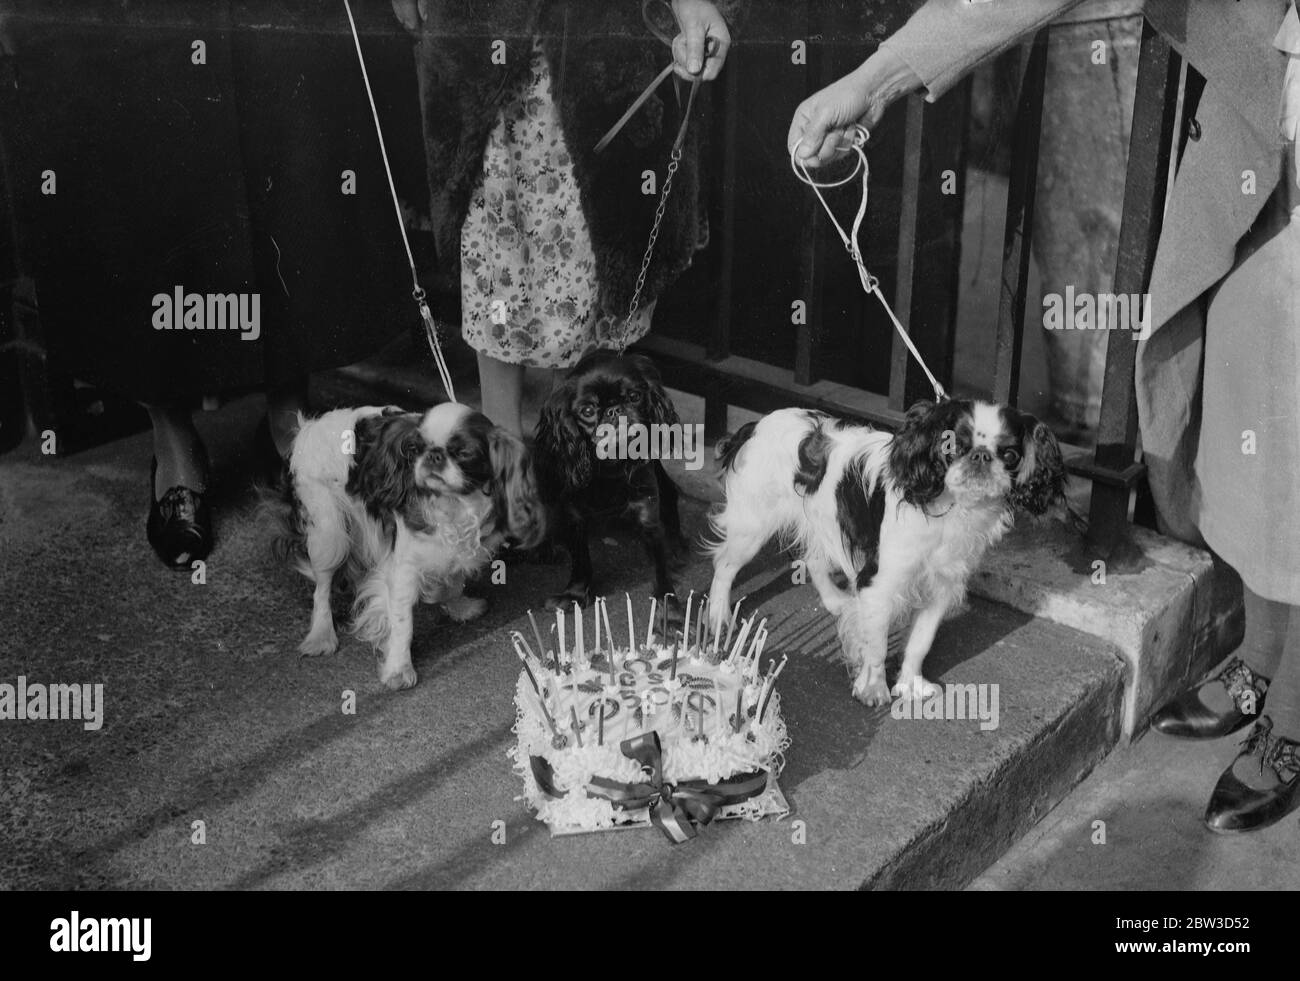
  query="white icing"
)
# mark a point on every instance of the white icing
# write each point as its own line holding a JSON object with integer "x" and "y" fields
{"x": 723, "y": 753}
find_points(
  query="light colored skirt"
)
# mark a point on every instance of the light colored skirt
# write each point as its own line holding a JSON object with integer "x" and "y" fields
{"x": 1248, "y": 457}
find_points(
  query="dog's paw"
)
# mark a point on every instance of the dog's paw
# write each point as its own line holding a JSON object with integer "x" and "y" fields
{"x": 463, "y": 609}
{"x": 870, "y": 689}
{"x": 916, "y": 688}
{"x": 573, "y": 594}
{"x": 319, "y": 642}
{"x": 398, "y": 679}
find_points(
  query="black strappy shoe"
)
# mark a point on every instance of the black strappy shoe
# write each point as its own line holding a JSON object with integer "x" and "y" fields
{"x": 1189, "y": 717}
{"x": 1234, "y": 807}
{"x": 179, "y": 526}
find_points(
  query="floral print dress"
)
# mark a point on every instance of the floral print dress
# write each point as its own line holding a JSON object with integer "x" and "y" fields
{"x": 528, "y": 271}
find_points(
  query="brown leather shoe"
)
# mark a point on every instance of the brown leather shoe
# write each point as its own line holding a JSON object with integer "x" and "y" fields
{"x": 1188, "y": 717}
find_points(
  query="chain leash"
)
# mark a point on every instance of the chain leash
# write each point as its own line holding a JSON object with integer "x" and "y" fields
{"x": 673, "y": 163}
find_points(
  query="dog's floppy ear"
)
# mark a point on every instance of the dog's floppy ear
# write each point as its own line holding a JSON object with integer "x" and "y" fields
{"x": 563, "y": 450}
{"x": 1039, "y": 483}
{"x": 514, "y": 489}
{"x": 729, "y": 447}
{"x": 916, "y": 457}
{"x": 383, "y": 466}
{"x": 659, "y": 407}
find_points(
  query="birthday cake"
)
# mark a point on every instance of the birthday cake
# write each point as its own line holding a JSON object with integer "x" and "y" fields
{"x": 639, "y": 730}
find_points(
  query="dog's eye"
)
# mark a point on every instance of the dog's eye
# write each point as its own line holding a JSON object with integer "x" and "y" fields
{"x": 1010, "y": 458}
{"x": 587, "y": 411}
{"x": 634, "y": 397}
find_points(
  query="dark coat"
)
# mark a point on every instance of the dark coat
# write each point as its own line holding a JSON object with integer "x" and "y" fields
{"x": 220, "y": 178}
{"x": 600, "y": 56}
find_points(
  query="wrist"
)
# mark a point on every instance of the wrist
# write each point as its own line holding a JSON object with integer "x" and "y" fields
{"x": 885, "y": 78}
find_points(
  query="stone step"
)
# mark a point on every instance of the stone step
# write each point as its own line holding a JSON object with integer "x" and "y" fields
{"x": 1061, "y": 699}
{"x": 210, "y": 715}
{"x": 1168, "y": 611}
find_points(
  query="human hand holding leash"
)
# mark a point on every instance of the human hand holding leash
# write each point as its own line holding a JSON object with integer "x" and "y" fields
{"x": 819, "y": 130}
{"x": 698, "y": 20}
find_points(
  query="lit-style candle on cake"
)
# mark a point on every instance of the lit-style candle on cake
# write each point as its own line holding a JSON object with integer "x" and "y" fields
{"x": 667, "y": 691}
{"x": 731, "y": 625}
{"x": 631, "y": 627}
{"x": 649, "y": 627}
{"x": 698, "y": 655}
{"x": 579, "y": 655}
{"x": 541, "y": 647}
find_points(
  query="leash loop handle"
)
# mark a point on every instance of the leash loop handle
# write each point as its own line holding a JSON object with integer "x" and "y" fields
{"x": 870, "y": 283}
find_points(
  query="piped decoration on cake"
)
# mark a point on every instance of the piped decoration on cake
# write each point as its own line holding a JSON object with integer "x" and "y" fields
{"x": 642, "y": 729}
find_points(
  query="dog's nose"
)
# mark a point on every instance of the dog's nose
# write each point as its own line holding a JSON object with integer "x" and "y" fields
{"x": 981, "y": 456}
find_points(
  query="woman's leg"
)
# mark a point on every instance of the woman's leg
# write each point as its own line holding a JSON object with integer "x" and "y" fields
{"x": 180, "y": 521}
{"x": 1267, "y": 631}
{"x": 1261, "y": 648}
{"x": 1258, "y": 768}
{"x": 537, "y": 391}
{"x": 182, "y": 459}
{"x": 1262, "y": 786}
{"x": 1284, "y": 693}
{"x": 502, "y": 392}
{"x": 1229, "y": 698}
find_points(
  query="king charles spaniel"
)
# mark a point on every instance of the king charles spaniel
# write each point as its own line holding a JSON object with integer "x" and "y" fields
{"x": 602, "y": 394}
{"x": 905, "y": 519}
{"x": 410, "y": 505}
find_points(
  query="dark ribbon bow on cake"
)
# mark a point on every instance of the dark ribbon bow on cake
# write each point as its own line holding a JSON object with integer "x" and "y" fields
{"x": 675, "y": 809}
